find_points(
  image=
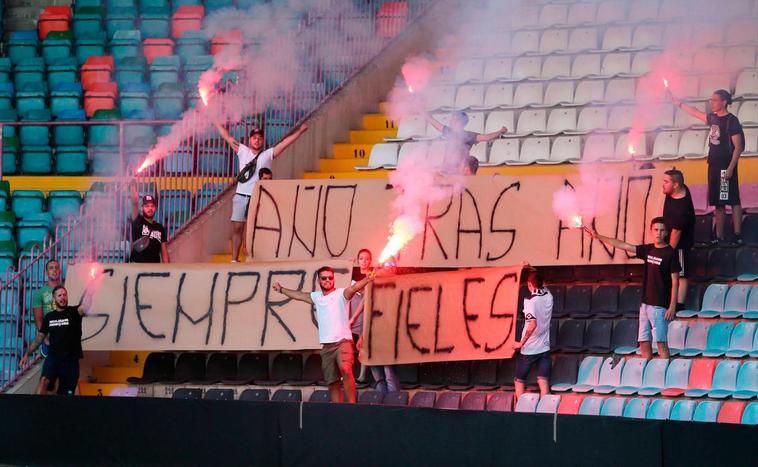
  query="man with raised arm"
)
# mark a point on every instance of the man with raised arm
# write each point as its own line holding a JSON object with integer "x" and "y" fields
{"x": 332, "y": 309}
{"x": 42, "y": 304}
{"x": 64, "y": 328}
{"x": 459, "y": 140}
{"x": 726, "y": 141}
{"x": 250, "y": 157}
{"x": 149, "y": 237}
{"x": 660, "y": 285}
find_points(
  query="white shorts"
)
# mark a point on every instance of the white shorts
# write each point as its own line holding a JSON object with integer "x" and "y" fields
{"x": 239, "y": 207}
{"x": 653, "y": 325}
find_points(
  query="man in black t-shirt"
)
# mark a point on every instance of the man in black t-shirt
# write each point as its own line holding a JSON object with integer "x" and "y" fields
{"x": 149, "y": 239}
{"x": 726, "y": 141}
{"x": 660, "y": 283}
{"x": 63, "y": 326}
{"x": 459, "y": 140}
{"x": 679, "y": 214}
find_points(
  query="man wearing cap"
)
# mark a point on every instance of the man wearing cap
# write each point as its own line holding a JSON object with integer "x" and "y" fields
{"x": 251, "y": 159}
{"x": 149, "y": 239}
{"x": 459, "y": 140}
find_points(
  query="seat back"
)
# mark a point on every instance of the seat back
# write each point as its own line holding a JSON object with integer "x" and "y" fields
{"x": 633, "y": 372}
{"x": 655, "y": 373}
{"x": 253, "y": 366}
{"x": 219, "y": 394}
{"x": 683, "y": 410}
{"x": 719, "y": 335}
{"x": 613, "y": 406}
{"x": 589, "y": 371}
{"x": 742, "y": 336}
{"x": 591, "y": 405}
{"x": 548, "y": 403}
{"x": 636, "y": 407}
{"x": 678, "y": 373}
{"x": 697, "y": 335}
{"x": 701, "y": 374}
{"x": 448, "y": 400}
{"x": 715, "y": 296}
{"x": 570, "y": 403}
{"x": 750, "y": 415}
{"x": 500, "y": 402}
{"x": 287, "y": 395}
{"x": 474, "y": 401}
{"x": 747, "y": 379}
{"x": 371, "y": 397}
{"x": 610, "y": 375}
{"x": 188, "y": 393}
{"x": 706, "y": 411}
{"x": 423, "y": 399}
{"x": 659, "y": 409}
{"x": 527, "y": 402}
{"x": 255, "y": 395}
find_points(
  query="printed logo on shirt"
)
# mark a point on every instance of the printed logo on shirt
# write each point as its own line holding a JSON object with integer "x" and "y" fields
{"x": 654, "y": 260}
{"x": 156, "y": 234}
{"x": 529, "y": 316}
{"x": 56, "y": 323}
{"x": 714, "y": 135}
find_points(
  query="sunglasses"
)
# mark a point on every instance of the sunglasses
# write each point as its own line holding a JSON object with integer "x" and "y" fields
{"x": 327, "y": 278}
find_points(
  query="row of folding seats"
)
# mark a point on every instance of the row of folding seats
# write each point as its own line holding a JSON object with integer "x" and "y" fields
{"x": 613, "y": 37}
{"x": 723, "y": 301}
{"x": 640, "y": 407}
{"x": 601, "y": 65}
{"x": 717, "y": 379}
{"x": 525, "y": 150}
{"x": 725, "y": 263}
{"x": 568, "y": 93}
{"x": 550, "y": 15}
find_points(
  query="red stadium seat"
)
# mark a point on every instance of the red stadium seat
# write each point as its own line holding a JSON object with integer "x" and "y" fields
{"x": 570, "y": 403}
{"x": 96, "y": 70}
{"x": 101, "y": 96}
{"x": 186, "y": 18}
{"x": 731, "y": 412}
{"x": 54, "y": 18}
{"x": 391, "y": 19}
{"x": 156, "y": 48}
{"x": 227, "y": 39}
{"x": 701, "y": 376}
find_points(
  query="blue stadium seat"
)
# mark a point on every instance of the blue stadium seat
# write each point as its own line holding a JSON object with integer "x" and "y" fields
{"x": 706, "y": 411}
{"x": 527, "y": 402}
{"x": 718, "y": 339}
{"x": 90, "y": 44}
{"x": 35, "y": 134}
{"x": 724, "y": 379}
{"x": 677, "y": 376}
{"x": 697, "y": 338}
{"x": 613, "y": 407}
{"x": 69, "y": 135}
{"x": 190, "y": 45}
{"x": 713, "y": 301}
{"x": 683, "y": 410}
{"x": 636, "y": 407}
{"x": 70, "y": 160}
{"x": 610, "y": 376}
{"x": 752, "y": 304}
{"x": 7, "y": 93}
{"x": 747, "y": 381}
{"x": 28, "y": 231}
{"x": 10, "y": 164}
{"x": 659, "y": 409}
{"x": 87, "y": 20}
{"x": 587, "y": 377}
{"x": 102, "y": 135}
{"x": 741, "y": 342}
{"x": 37, "y": 160}
{"x": 27, "y": 202}
{"x": 22, "y": 44}
{"x": 147, "y": 5}
{"x": 29, "y": 70}
{"x": 134, "y": 96}
{"x": 169, "y": 101}
{"x": 8, "y": 365}
{"x": 591, "y": 405}
{"x": 57, "y": 45}
{"x": 548, "y": 403}
{"x": 8, "y": 115}
{"x": 130, "y": 70}
{"x": 120, "y": 18}
{"x": 164, "y": 69}
{"x": 736, "y": 301}
{"x": 654, "y": 378}
{"x": 63, "y": 203}
{"x": 215, "y": 5}
{"x": 31, "y": 96}
{"x": 63, "y": 70}
{"x": 5, "y": 69}
{"x": 750, "y": 415}
{"x": 126, "y": 43}
{"x": 65, "y": 96}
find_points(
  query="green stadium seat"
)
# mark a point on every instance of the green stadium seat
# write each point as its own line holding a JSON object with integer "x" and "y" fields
{"x": 87, "y": 20}
{"x": 22, "y": 44}
{"x": 191, "y": 44}
{"x": 7, "y": 92}
{"x": 70, "y": 160}
{"x": 164, "y": 69}
{"x": 57, "y": 45}
{"x": 130, "y": 70}
{"x": 7, "y": 225}
{"x": 66, "y": 96}
{"x": 140, "y": 134}
{"x": 168, "y": 101}
{"x": 5, "y": 69}
{"x": 105, "y": 160}
{"x": 10, "y": 163}
{"x": 91, "y": 44}
{"x": 121, "y": 15}
{"x": 100, "y": 135}
{"x": 63, "y": 203}
{"x": 5, "y": 187}
{"x": 35, "y": 134}
{"x": 27, "y": 202}
{"x": 29, "y": 70}
{"x": 147, "y": 5}
{"x": 155, "y": 23}
{"x": 126, "y": 43}
{"x": 63, "y": 70}
{"x": 36, "y": 160}
{"x": 69, "y": 135}
{"x": 8, "y": 115}
{"x": 32, "y": 231}
{"x": 134, "y": 97}
{"x": 31, "y": 96}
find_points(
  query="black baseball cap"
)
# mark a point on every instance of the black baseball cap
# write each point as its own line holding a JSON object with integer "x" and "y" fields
{"x": 148, "y": 199}
{"x": 257, "y": 130}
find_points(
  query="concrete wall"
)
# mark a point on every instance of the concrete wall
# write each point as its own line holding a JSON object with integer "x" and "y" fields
{"x": 330, "y": 124}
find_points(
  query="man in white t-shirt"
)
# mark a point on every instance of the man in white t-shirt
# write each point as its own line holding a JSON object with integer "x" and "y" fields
{"x": 251, "y": 159}
{"x": 535, "y": 338}
{"x": 332, "y": 316}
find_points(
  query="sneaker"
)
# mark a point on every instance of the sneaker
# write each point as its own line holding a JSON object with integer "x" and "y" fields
{"x": 738, "y": 240}
{"x": 714, "y": 242}
{"x": 725, "y": 244}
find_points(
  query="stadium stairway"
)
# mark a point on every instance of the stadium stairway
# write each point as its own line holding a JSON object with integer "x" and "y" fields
{"x": 105, "y": 378}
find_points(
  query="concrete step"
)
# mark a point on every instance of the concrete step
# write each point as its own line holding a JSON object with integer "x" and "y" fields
{"x": 351, "y": 151}
{"x": 371, "y": 136}
{"x": 128, "y": 359}
{"x": 24, "y": 12}
{"x": 98, "y": 389}
{"x": 380, "y": 173}
{"x": 378, "y": 122}
{"x": 340, "y": 165}
{"x": 115, "y": 374}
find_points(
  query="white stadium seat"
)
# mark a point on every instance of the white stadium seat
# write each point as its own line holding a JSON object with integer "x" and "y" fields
{"x": 712, "y": 82}
{"x": 748, "y": 113}
{"x": 641, "y": 63}
{"x": 598, "y": 148}
{"x": 589, "y": 91}
{"x": 410, "y": 127}
{"x": 582, "y": 39}
{"x": 619, "y": 90}
{"x": 559, "y": 92}
{"x": 708, "y": 60}
{"x": 742, "y": 31}
{"x": 469, "y": 95}
{"x": 747, "y": 84}
{"x": 440, "y": 97}
{"x": 479, "y": 150}
{"x": 672, "y": 9}
{"x": 616, "y": 64}
{"x": 591, "y": 118}
{"x": 677, "y": 35}
{"x": 706, "y": 33}
{"x": 581, "y": 13}
{"x": 504, "y": 151}
{"x": 534, "y": 149}
{"x": 469, "y": 70}
{"x": 647, "y": 36}
{"x": 693, "y": 144}
{"x": 498, "y": 94}
{"x": 499, "y": 119}
{"x": 739, "y": 57}
{"x": 586, "y": 65}
{"x": 416, "y": 150}
{"x": 382, "y": 155}
{"x": 611, "y": 11}
{"x": 685, "y": 120}
{"x": 641, "y": 10}
{"x": 617, "y": 37}
{"x": 560, "y": 120}
{"x": 527, "y": 94}
{"x": 662, "y": 116}
{"x": 553, "y": 14}
{"x": 622, "y": 148}
{"x": 553, "y": 40}
{"x": 498, "y": 68}
{"x": 531, "y": 121}
{"x": 435, "y": 156}
{"x": 442, "y": 117}
{"x": 555, "y": 66}
{"x": 751, "y": 142}
{"x": 525, "y": 41}
{"x": 666, "y": 145}
{"x": 564, "y": 149}
{"x": 621, "y": 117}
{"x": 526, "y": 67}
{"x": 475, "y": 122}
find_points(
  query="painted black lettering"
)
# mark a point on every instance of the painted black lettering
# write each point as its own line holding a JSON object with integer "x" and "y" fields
{"x": 511, "y": 232}
{"x": 338, "y": 213}
{"x": 373, "y": 313}
{"x": 507, "y": 315}
{"x": 428, "y": 226}
{"x": 437, "y": 348}
{"x": 144, "y": 307}
{"x": 311, "y": 249}
{"x": 467, "y": 316}
{"x": 462, "y": 231}
{"x": 270, "y": 304}
{"x": 256, "y": 226}
{"x": 413, "y": 326}
{"x": 180, "y": 309}
{"x": 227, "y": 301}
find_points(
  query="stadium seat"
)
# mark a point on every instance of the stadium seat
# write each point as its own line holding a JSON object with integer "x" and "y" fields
{"x": 598, "y": 339}
{"x": 285, "y": 367}
{"x": 195, "y": 66}
{"x": 706, "y": 411}
{"x": 605, "y": 301}
{"x": 130, "y": 70}
{"x": 251, "y": 367}
{"x": 746, "y": 386}
{"x": 154, "y": 48}
{"x": 750, "y": 415}
{"x": 64, "y": 70}
{"x": 630, "y": 301}
{"x": 713, "y": 300}
{"x": 90, "y": 45}
{"x": 25, "y": 202}
{"x": 718, "y": 339}
{"x": 370, "y": 397}
{"x": 221, "y": 366}
{"x": 96, "y": 69}
{"x": 164, "y": 69}
{"x": 548, "y": 403}
{"x": 319, "y": 395}
{"x": 22, "y": 44}
{"x": 741, "y": 342}
{"x": 100, "y": 96}
{"x": 500, "y": 402}
{"x": 260, "y": 395}
{"x": 65, "y": 96}
{"x": 527, "y": 403}
{"x": 192, "y": 44}
{"x": 188, "y": 393}
{"x": 700, "y": 378}
{"x": 747, "y": 80}
{"x": 189, "y": 366}
{"x": 69, "y": 135}
{"x": 624, "y": 337}
{"x": 731, "y": 412}
{"x": 219, "y": 394}
{"x": 683, "y": 410}
{"x": 659, "y": 409}
{"x": 721, "y": 264}
{"x": 590, "y": 405}
{"x": 474, "y": 401}
{"x": 134, "y": 97}
{"x": 125, "y": 43}
{"x": 231, "y": 41}
{"x": 186, "y": 18}
{"x": 610, "y": 377}
{"x": 63, "y": 203}
{"x": 747, "y": 264}
{"x": 724, "y": 381}
{"x": 497, "y": 69}
{"x": 696, "y": 340}
{"x": 287, "y": 395}
{"x": 587, "y": 377}
{"x": 736, "y": 302}
{"x": 583, "y": 39}
{"x": 423, "y": 399}
{"x": 154, "y": 22}
{"x": 397, "y": 398}
{"x": 636, "y": 407}
{"x": 578, "y": 301}
{"x": 571, "y": 335}
{"x": 448, "y": 400}
{"x": 159, "y": 366}
{"x": 57, "y": 45}
{"x": 613, "y": 407}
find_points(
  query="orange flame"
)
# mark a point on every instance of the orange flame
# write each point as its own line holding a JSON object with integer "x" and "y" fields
{"x": 145, "y": 164}
{"x": 92, "y": 272}
{"x": 666, "y": 82}
{"x": 402, "y": 233}
{"x": 204, "y": 95}
{"x": 631, "y": 150}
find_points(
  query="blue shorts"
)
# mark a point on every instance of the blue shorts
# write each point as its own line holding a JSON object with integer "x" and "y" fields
{"x": 65, "y": 370}
{"x": 653, "y": 325}
{"x": 525, "y": 363}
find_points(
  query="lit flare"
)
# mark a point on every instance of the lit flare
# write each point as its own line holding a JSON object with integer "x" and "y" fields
{"x": 666, "y": 83}
{"x": 204, "y": 92}
{"x": 402, "y": 233}
{"x": 145, "y": 164}
{"x": 576, "y": 221}
{"x": 410, "y": 89}
{"x": 631, "y": 150}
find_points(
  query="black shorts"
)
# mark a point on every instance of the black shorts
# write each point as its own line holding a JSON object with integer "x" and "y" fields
{"x": 65, "y": 370}
{"x": 731, "y": 194}
{"x": 525, "y": 363}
